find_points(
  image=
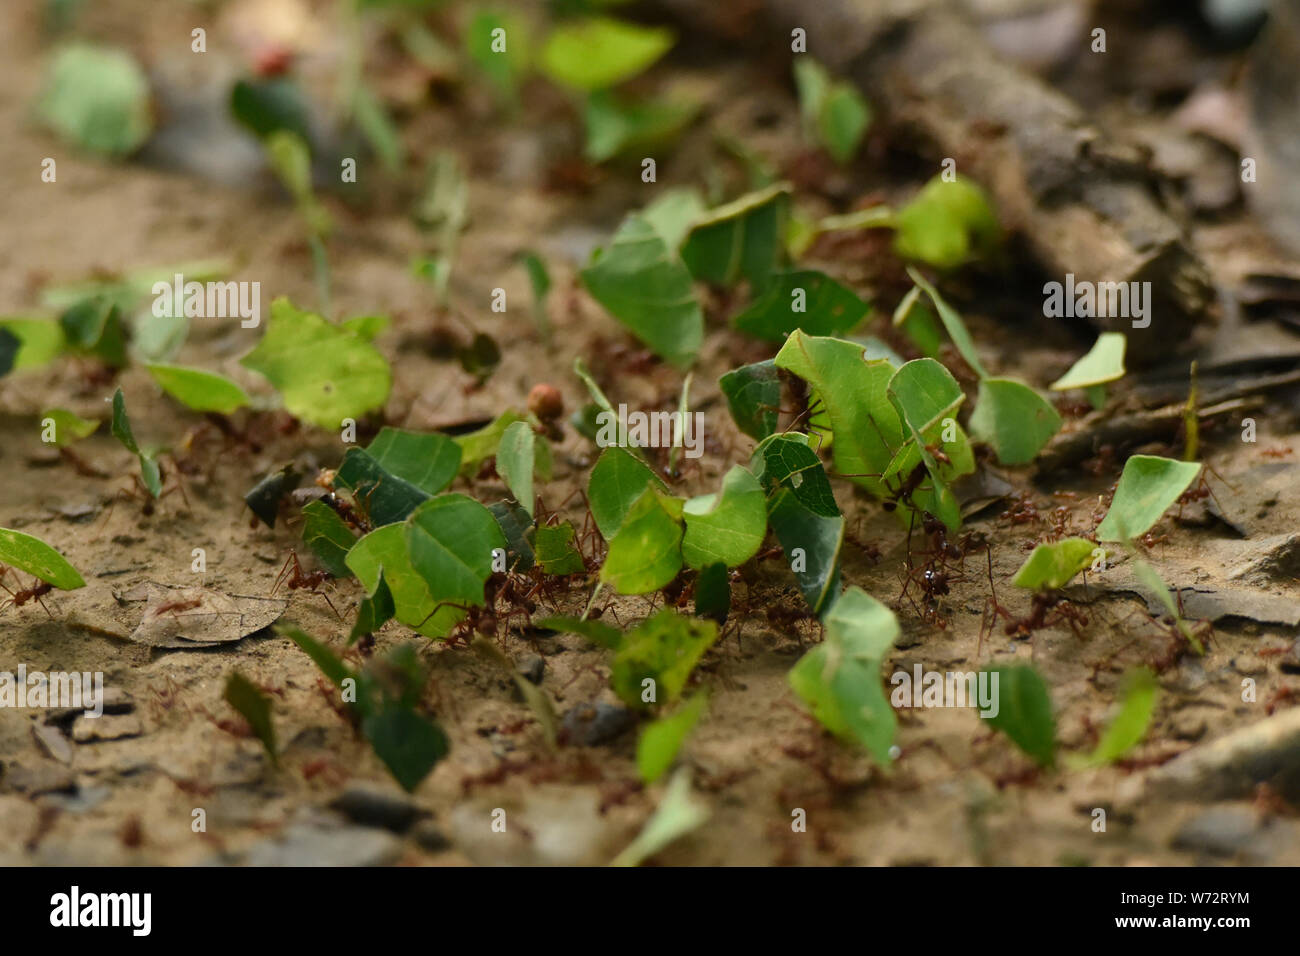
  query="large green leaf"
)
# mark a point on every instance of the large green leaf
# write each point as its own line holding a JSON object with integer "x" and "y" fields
{"x": 27, "y": 553}
{"x": 97, "y": 99}
{"x": 646, "y": 553}
{"x": 384, "y": 498}
{"x": 1148, "y": 486}
{"x": 328, "y": 537}
{"x": 727, "y": 527}
{"x": 325, "y": 373}
{"x": 642, "y": 283}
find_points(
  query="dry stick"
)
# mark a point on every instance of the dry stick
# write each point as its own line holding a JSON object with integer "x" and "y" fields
{"x": 1084, "y": 201}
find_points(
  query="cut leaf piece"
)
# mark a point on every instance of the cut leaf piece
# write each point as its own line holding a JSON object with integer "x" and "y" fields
{"x": 617, "y": 480}
{"x": 325, "y": 373}
{"x": 678, "y": 813}
{"x": 598, "y": 632}
{"x": 97, "y": 99}
{"x": 556, "y": 551}
{"x": 807, "y": 300}
{"x": 753, "y": 395}
{"x": 450, "y": 540}
{"x": 726, "y": 528}
{"x": 68, "y": 426}
{"x": 382, "y": 497}
{"x": 200, "y": 390}
{"x": 952, "y": 322}
{"x": 785, "y": 460}
{"x": 1139, "y": 693}
{"x": 255, "y": 707}
{"x": 515, "y": 463}
{"x": 646, "y": 552}
{"x": 380, "y": 559}
{"x": 427, "y": 460}
{"x": 31, "y": 554}
{"x": 149, "y": 471}
{"x": 1051, "y": 566}
{"x": 1014, "y": 419}
{"x": 947, "y": 224}
{"x": 741, "y": 239}
{"x": 597, "y": 52}
{"x": 660, "y": 741}
{"x": 642, "y": 283}
{"x": 1025, "y": 712}
{"x": 1103, "y": 363}
{"x": 655, "y": 658}
{"x": 812, "y": 545}
{"x": 1147, "y": 488}
{"x": 328, "y": 537}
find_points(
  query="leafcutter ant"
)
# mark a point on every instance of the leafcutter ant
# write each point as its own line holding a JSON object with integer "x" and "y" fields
{"x": 23, "y": 595}
{"x": 293, "y": 577}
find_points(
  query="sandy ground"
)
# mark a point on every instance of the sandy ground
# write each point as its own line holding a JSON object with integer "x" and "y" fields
{"x": 959, "y": 794}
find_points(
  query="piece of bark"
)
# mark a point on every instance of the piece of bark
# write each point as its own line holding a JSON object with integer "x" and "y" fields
{"x": 1085, "y": 202}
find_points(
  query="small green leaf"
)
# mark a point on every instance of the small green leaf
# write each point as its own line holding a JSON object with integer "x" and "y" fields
{"x": 39, "y": 341}
{"x": 642, "y": 283}
{"x": 378, "y": 128}
{"x": 786, "y": 460}
{"x": 202, "y": 391}
{"x": 503, "y": 67}
{"x": 517, "y": 525}
{"x": 322, "y": 656}
{"x": 661, "y": 740}
{"x": 598, "y": 52}
{"x": 515, "y": 463}
{"x": 1152, "y": 581}
{"x": 94, "y": 326}
{"x": 616, "y": 125}
{"x": 328, "y": 537}
{"x": 1051, "y": 566}
{"x": 68, "y": 426}
{"x": 409, "y": 744}
{"x": 728, "y": 527}
{"x": 122, "y": 432}
{"x": 31, "y": 554}
{"x": 674, "y": 213}
{"x": 617, "y": 480}
{"x": 1126, "y": 731}
{"x": 839, "y": 679}
{"x": 325, "y": 373}
{"x": 834, "y": 113}
{"x": 664, "y": 649}
{"x": 476, "y": 446}
{"x": 952, "y": 322}
{"x": 948, "y": 224}
{"x": 713, "y": 593}
{"x": 1014, "y": 419}
{"x": 678, "y": 813}
{"x": 1103, "y": 363}
{"x": 98, "y": 99}
{"x": 255, "y": 707}
{"x": 374, "y": 611}
{"x": 1147, "y": 488}
{"x": 265, "y": 106}
{"x": 807, "y": 300}
{"x": 556, "y": 551}
{"x": 646, "y": 553}
{"x": 741, "y": 239}
{"x": 1025, "y": 712}
{"x": 598, "y": 632}
{"x": 812, "y": 545}
{"x": 753, "y": 395}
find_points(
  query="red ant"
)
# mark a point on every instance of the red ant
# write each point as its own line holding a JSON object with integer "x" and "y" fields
{"x": 293, "y": 577}
{"x": 485, "y": 618}
{"x": 23, "y": 595}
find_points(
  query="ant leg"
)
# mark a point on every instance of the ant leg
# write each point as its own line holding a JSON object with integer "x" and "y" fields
{"x": 284, "y": 570}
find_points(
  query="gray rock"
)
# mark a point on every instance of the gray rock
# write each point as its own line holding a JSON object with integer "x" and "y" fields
{"x": 1225, "y": 831}
{"x": 374, "y": 806}
{"x": 532, "y": 667}
{"x": 590, "y": 725}
{"x": 52, "y": 741}
{"x": 309, "y": 844}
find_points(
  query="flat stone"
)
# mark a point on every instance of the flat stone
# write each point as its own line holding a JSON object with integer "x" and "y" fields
{"x": 53, "y": 743}
{"x": 309, "y": 844}
{"x": 375, "y": 806}
{"x": 86, "y": 729}
{"x": 590, "y": 725}
{"x": 1224, "y": 831}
